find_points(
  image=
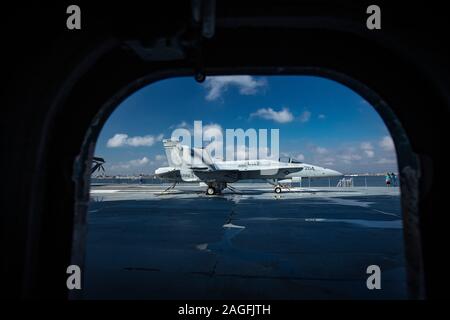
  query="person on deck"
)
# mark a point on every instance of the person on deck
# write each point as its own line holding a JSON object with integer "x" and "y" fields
{"x": 394, "y": 179}
{"x": 388, "y": 179}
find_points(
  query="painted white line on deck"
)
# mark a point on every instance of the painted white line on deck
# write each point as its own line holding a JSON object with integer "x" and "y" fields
{"x": 386, "y": 213}
{"x": 390, "y": 224}
{"x": 104, "y": 191}
{"x": 349, "y": 202}
{"x": 230, "y": 225}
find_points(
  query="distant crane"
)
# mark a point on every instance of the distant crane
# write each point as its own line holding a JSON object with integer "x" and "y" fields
{"x": 98, "y": 165}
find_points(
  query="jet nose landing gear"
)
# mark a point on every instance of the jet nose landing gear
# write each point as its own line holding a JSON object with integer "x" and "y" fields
{"x": 215, "y": 188}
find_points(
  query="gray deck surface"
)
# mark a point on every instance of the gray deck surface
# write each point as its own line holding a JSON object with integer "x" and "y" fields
{"x": 310, "y": 243}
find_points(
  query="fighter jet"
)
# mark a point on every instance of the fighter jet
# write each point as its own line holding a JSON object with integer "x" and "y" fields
{"x": 188, "y": 164}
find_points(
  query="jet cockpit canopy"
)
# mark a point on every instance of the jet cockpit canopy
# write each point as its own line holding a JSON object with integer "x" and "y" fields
{"x": 288, "y": 160}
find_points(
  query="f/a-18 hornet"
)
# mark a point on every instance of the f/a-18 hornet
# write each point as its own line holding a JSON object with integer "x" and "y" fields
{"x": 217, "y": 174}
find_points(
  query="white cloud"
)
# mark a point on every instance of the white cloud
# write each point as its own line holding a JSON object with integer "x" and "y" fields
{"x": 139, "y": 162}
{"x": 247, "y": 85}
{"x": 292, "y": 155}
{"x": 160, "y": 160}
{"x": 118, "y": 140}
{"x": 320, "y": 150}
{"x": 361, "y": 156}
{"x": 367, "y": 147}
{"x": 369, "y": 153}
{"x": 321, "y": 116}
{"x": 143, "y": 141}
{"x": 328, "y": 161}
{"x": 386, "y": 143}
{"x": 121, "y": 140}
{"x": 131, "y": 164}
{"x": 282, "y": 116}
{"x": 386, "y": 161}
{"x": 182, "y": 124}
{"x": 349, "y": 155}
{"x": 305, "y": 116}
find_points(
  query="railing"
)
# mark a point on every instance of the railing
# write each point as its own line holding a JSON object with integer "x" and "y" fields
{"x": 345, "y": 182}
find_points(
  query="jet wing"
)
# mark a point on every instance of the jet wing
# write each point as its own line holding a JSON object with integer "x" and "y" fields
{"x": 233, "y": 175}
{"x": 228, "y": 176}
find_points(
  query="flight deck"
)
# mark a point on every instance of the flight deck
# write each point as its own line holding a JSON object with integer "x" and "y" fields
{"x": 306, "y": 243}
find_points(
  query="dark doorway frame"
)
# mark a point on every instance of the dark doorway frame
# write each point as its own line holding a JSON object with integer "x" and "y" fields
{"x": 79, "y": 78}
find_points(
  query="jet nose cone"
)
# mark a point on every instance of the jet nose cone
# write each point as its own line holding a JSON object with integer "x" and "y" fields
{"x": 334, "y": 173}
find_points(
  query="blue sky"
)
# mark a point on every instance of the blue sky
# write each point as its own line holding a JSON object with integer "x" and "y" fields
{"x": 320, "y": 121}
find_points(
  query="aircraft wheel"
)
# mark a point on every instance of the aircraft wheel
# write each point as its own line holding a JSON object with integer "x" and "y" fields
{"x": 277, "y": 190}
{"x": 210, "y": 191}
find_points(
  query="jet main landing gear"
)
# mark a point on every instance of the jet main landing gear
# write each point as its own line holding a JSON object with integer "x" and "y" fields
{"x": 277, "y": 186}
